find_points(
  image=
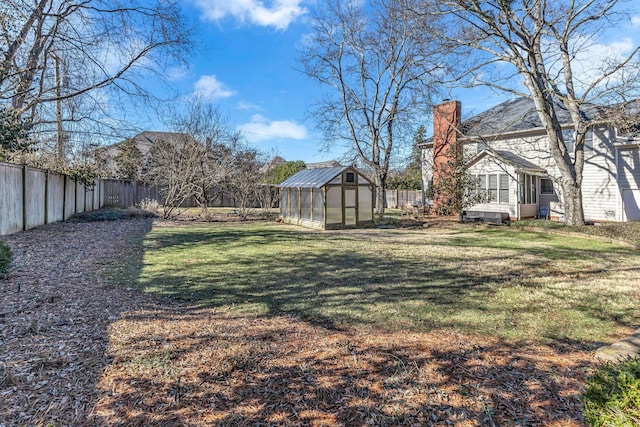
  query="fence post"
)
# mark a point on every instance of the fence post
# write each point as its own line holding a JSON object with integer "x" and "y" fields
{"x": 24, "y": 197}
{"x": 64, "y": 196}
{"x": 46, "y": 197}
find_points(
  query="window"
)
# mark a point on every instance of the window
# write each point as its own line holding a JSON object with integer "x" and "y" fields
{"x": 588, "y": 140}
{"x": 569, "y": 140}
{"x": 493, "y": 188}
{"x": 350, "y": 177}
{"x": 504, "y": 188}
{"x": 482, "y": 185}
{"x": 533, "y": 190}
{"x": 546, "y": 186}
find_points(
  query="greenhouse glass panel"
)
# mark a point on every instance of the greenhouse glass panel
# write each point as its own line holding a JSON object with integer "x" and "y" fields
{"x": 350, "y": 216}
{"x": 318, "y": 205}
{"x": 305, "y": 203}
{"x": 294, "y": 203}
{"x": 284, "y": 203}
{"x": 334, "y": 205}
{"x": 350, "y": 198}
{"x": 365, "y": 204}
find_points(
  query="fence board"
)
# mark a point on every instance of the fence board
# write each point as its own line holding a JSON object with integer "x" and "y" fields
{"x": 55, "y": 197}
{"x": 11, "y": 198}
{"x": 34, "y": 204}
{"x": 69, "y": 198}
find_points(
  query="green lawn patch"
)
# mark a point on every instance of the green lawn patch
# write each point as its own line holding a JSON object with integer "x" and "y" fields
{"x": 518, "y": 285}
{"x": 612, "y": 396}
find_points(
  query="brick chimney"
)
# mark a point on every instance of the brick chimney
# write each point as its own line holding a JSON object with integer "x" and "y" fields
{"x": 446, "y": 150}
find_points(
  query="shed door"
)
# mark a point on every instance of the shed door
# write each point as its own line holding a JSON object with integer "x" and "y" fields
{"x": 350, "y": 206}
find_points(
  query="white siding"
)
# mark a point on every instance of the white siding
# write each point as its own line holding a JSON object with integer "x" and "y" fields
{"x": 602, "y": 198}
{"x": 599, "y": 188}
{"x": 629, "y": 182}
{"x": 488, "y": 165}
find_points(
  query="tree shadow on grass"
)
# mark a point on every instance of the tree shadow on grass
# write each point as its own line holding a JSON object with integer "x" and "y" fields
{"x": 338, "y": 280}
{"x": 302, "y": 333}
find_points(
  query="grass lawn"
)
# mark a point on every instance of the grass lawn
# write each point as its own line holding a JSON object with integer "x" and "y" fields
{"x": 278, "y": 325}
{"x": 497, "y": 281}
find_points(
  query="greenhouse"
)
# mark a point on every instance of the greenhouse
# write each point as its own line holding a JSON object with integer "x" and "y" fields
{"x": 327, "y": 198}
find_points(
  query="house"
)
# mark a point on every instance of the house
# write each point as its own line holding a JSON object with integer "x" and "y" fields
{"x": 327, "y": 198}
{"x": 276, "y": 161}
{"x": 506, "y": 150}
{"x": 144, "y": 140}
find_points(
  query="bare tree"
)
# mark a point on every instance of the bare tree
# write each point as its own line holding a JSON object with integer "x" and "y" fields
{"x": 61, "y": 59}
{"x": 245, "y": 180}
{"x": 198, "y": 161}
{"x": 378, "y": 65}
{"x": 545, "y": 46}
{"x": 216, "y": 140}
{"x": 171, "y": 168}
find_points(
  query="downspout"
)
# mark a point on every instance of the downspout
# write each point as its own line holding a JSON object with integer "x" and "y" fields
{"x": 518, "y": 201}
{"x": 620, "y": 208}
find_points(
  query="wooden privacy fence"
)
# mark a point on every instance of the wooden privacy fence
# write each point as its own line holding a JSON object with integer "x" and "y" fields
{"x": 399, "y": 199}
{"x": 30, "y": 197}
{"x": 120, "y": 193}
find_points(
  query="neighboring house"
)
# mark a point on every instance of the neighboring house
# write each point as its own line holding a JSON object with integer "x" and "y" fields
{"x": 326, "y": 164}
{"x": 144, "y": 140}
{"x": 507, "y": 150}
{"x": 276, "y": 161}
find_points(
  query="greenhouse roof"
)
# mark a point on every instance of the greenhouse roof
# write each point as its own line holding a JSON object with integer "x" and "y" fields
{"x": 312, "y": 178}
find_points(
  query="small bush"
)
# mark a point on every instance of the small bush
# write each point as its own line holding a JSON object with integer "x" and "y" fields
{"x": 612, "y": 396}
{"x": 149, "y": 205}
{"x": 5, "y": 259}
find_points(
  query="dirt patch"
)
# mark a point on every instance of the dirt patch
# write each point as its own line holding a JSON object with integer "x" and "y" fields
{"x": 77, "y": 350}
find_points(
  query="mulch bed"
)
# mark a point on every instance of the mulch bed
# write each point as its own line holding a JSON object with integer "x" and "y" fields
{"x": 78, "y": 350}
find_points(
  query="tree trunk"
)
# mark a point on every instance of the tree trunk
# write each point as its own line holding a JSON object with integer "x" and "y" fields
{"x": 572, "y": 201}
{"x": 381, "y": 198}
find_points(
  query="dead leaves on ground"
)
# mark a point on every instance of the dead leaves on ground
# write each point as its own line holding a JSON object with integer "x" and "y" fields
{"x": 77, "y": 350}
{"x": 203, "y": 367}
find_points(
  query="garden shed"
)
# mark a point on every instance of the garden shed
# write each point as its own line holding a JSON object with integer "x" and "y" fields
{"x": 327, "y": 198}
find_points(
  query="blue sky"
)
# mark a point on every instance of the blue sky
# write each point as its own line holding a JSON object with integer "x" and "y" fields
{"x": 246, "y": 64}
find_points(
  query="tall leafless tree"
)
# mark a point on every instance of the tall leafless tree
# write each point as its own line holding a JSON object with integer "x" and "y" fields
{"x": 198, "y": 159}
{"x": 378, "y": 66}
{"x": 548, "y": 48}
{"x": 64, "y": 62}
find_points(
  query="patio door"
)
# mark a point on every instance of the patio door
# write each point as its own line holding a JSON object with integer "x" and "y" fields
{"x": 350, "y": 206}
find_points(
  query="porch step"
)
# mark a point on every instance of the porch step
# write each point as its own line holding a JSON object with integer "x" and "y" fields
{"x": 485, "y": 216}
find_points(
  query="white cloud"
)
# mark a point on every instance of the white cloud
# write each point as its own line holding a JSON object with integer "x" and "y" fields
{"x": 248, "y": 106}
{"x": 635, "y": 21}
{"x": 177, "y": 73}
{"x": 269, "y": 13}
{"x": 208, "y": 87}
{"x": 260, "y": 128}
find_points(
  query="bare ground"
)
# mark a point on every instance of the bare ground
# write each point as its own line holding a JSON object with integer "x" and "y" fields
{"x": 77, "y": 350}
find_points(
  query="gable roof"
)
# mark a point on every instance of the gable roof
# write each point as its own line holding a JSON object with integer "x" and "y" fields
{"x": 312, "y": 178}
{"x": 518, "y": 163}
{"x": 519, "y": 114}
{"x": 327, "y": 164}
